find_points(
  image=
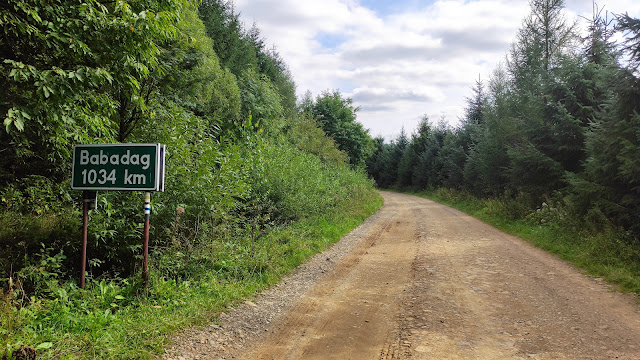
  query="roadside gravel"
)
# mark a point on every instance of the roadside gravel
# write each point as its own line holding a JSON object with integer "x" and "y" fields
{"x": 249, "y": 321}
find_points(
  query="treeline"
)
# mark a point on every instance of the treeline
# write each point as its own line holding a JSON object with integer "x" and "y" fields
{"x": 558, "y": 122}
{"x": 243, "y": 159}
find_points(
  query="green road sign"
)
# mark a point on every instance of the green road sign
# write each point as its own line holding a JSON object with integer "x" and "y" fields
{"x": 118, "y": 167}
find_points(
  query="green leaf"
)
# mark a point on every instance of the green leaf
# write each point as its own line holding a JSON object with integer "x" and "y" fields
{"x": 7, "y": 123}
{"x": 19, "y": 123}
{"x": 44, "y": 346}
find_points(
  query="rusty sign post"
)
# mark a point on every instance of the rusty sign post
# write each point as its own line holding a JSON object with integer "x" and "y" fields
{"x": 89, "y": 199}
{"x": 124, "y": 167}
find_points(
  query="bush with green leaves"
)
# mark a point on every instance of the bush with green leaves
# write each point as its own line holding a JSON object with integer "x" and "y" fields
{"x": 298, "y": 184}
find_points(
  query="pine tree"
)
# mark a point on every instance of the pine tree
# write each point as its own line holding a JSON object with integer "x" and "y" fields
{"x": 630, "y": 26}
{"x": 611, "y": 180}
{"x": 548, "y": 111}
{"x": 485, "y": 170}
{"x": 235, "y": 50}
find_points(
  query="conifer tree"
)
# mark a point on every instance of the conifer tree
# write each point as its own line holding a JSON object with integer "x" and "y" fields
{"x": 611, "y": 180}
{"x": 546, "y": 108}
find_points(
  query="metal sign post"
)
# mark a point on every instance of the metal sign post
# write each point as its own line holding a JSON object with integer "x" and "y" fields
{"x": 89, "y": 200}
{"x": 145, "y": 240}
{"x": 126, "y": 167}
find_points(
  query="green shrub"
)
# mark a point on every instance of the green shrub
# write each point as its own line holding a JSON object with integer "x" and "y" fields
{"x": 36, "y": 212}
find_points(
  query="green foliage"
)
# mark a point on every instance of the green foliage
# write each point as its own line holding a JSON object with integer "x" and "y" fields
{"x": 337, "y": 117}
{"x": 382, "y": 166}
{"x": 406, "y": 165}
{"x": 296, "y": 185}
{"x": 548, "y": 137}
{"x": 531, "y": 171}
{"x": 611, "y": 179}
{"x": 631, "y": 27}
{"x": 428, "y": 144}
{"x": 305, "y": 134}
{"x": 260, "y": 99}
{"x": 244, "y": 54}
{"x": 31, "y": 214}
{"x": 271, "y": 65}
{"x": 69, "y": 66}
{"x": 452, "y": 157}
{"x": 193, "y": 76}
{"x": 228, "y": 36}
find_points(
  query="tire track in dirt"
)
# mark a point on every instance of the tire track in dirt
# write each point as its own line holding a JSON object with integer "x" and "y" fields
{"x": 428, "y": 282}
{"x": 352, "y": 312}
{"x": 481, "y": 294}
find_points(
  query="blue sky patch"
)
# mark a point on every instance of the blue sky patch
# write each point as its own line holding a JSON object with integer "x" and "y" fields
{"x": 330, "y": 41}
{"x": 388, "y": 7}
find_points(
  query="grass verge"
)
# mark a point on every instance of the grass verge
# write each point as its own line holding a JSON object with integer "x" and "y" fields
{"x": 110, "y": 320}
{"x": 602, "y": 251}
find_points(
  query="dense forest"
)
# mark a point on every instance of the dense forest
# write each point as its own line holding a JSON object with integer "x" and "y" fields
{"x": 254, "y": 183}
{"x": 557, "y": 125}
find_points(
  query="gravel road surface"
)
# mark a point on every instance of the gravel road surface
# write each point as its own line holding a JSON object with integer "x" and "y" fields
{"x": 419, "y": 280}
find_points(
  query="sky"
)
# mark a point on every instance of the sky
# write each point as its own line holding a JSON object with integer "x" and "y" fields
{"x": 398, "y": 60}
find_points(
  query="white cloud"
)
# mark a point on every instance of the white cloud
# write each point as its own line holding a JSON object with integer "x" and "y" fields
{"x": 399, "y": 66}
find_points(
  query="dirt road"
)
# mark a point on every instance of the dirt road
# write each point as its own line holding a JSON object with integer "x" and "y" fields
{"x": 428, "y": 282}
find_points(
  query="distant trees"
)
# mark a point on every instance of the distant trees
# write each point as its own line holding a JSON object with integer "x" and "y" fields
{"x": 560, "y": 120}
{"x": 383, "y": 163}
{"x": 244, "y": 54}
{"x": 611, "y": 180}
